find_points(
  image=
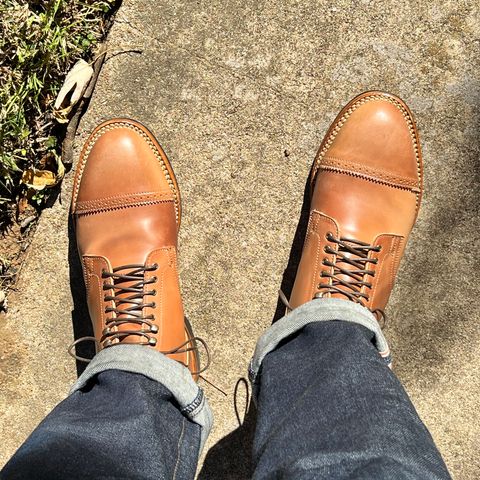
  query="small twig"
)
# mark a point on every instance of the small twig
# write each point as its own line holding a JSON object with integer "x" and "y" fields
{"x": 121, "y": 52}
{"x": 118, "y": 51}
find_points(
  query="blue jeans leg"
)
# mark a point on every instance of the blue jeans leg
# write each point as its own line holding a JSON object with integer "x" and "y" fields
{"x": 119, "y": 423}
{"x": 330, "y": 408}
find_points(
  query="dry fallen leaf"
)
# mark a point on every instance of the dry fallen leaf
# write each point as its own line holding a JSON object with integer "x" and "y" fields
{"x": 39, "y": 179}
{"x": 72, "y": 90}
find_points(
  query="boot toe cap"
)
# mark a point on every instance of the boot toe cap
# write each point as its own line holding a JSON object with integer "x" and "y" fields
{"x": 120, "y": 157}
{"x": 375, "y": 136}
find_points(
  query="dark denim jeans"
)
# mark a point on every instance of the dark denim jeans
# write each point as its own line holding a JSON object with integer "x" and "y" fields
{"x": 328, "y": 408}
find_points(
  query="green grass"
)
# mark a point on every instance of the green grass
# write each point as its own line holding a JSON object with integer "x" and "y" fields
{"x": 39, "y": 42}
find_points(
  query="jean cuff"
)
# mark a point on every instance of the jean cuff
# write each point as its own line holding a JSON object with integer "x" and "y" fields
{"x": 317, "y": 310}
{"x": 159, "y": 368}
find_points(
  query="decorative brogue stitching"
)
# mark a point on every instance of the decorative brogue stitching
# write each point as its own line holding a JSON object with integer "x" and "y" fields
{"x": 367, "y": 173}
{"x": 121, "y": 201}
{"x": 339, "y": 124}
{"x": 111, "y": 126}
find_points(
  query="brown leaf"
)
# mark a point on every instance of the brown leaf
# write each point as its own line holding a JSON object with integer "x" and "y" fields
{"x": 39, "y": 179}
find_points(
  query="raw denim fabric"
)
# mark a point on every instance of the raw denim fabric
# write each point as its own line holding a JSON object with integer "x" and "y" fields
{"x": 330, "y": 408}
{"x": 317, "y": 310}
{"x": 152, "y": 364}
{"x": 119, "y": 425}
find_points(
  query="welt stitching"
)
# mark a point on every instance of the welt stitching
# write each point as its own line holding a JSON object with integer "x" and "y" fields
{"x": 111, "y": 126}
{"x": 349, "y": 112}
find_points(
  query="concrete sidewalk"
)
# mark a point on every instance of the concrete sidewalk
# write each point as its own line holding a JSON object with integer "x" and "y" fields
{"x": 240, "y": 95}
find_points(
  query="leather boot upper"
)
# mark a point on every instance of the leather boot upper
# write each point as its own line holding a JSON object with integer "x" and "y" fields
{"x": 126, "y": 206}
{"x": 366, "y": 191}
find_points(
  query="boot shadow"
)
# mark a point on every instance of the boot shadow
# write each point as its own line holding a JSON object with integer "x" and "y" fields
{"x": 82, "y": 326}
{"x": 290, "y": 271}
{"x": 231, "y": 457}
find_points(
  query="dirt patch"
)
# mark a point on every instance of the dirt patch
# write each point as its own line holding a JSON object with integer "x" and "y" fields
{"x": 15, "y": 239}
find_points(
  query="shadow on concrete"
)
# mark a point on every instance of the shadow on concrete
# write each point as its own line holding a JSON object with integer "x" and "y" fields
{"x": 431, "y": 316}
{"x": 82, "y": 326}
{"x": 231, "y": 457}
{"x": 290, "y": 271}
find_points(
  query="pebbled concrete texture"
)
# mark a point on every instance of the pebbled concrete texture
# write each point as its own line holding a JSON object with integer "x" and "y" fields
{"x": 240, "y": 95}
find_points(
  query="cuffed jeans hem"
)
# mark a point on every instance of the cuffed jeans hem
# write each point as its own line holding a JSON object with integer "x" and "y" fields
{"x": 158, "y": 367}
{"x": 317, "y": 310}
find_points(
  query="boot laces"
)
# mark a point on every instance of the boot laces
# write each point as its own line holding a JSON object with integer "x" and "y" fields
{"x": 126, "y": 306}
{"x": 350, "y": 268}
{"x": 348, "y": 273}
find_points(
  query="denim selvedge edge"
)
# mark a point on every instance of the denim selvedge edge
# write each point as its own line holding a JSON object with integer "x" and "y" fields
{"x": 156, "y": 366}
{"x": 317, "y": 310}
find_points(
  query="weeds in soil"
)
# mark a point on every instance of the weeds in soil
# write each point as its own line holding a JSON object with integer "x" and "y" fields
{"x": 39, "y": 42}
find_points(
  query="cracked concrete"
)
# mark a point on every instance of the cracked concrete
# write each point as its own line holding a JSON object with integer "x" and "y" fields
{"x": 240, "y": 95}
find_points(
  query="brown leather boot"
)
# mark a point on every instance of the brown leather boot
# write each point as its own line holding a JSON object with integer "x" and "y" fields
{"x": 126, "y": 207}
{"x": 366, "y": 191}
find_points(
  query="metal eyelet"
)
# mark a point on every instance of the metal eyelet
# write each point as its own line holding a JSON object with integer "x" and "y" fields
{"x": 154, "y": 329}
{"x": 152, "y": 341}
{"x": 153, "y": 293}
{"x": 153, "y": 305}
{"x": 329, "y": 236}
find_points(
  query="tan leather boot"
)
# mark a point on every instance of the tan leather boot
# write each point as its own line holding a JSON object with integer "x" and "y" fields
{"x": 366, "y": 192}
{"x": 126, "y": 207}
